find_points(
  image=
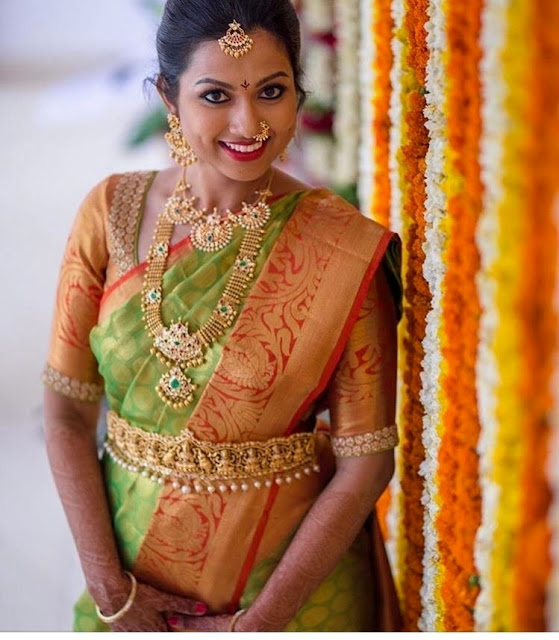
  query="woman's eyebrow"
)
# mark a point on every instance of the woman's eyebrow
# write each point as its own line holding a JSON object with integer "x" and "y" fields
{"x": 278, "y": 74}
{"x": 226, "y": 85}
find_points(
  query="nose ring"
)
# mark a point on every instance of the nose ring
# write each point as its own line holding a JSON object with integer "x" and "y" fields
{"x": 264, "y": 132}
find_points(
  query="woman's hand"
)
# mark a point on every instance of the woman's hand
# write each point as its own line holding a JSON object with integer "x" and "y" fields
{"x": 178, "y": 622}
{"x": 151, "y": 607}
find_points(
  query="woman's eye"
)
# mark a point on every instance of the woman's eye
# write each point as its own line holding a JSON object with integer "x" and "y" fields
{"x": 272, "y": 92}
{"x": 215, "y": 96}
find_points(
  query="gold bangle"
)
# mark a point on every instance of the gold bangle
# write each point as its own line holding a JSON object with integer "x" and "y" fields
{"x": 115, "y": 616}
{"x": 235, "y": 619}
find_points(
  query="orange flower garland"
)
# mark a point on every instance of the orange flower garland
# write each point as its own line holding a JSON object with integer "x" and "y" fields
{"x": 382, "y": 25}
{"x": 460, "y": 515}
{"x": 417, "y": 302}
{"x": 382, "y": 30}
{"x": 532, "y": 567}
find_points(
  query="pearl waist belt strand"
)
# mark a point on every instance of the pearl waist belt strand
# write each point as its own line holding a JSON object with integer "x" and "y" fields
{"x": 194, "y": 465}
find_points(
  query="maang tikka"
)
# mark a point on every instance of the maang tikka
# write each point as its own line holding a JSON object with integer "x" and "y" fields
{"x": 235, "y": 42}
{"x": 180, "y": 151}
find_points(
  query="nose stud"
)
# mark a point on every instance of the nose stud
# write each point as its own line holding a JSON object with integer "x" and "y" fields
{"x": 264, "y": 132}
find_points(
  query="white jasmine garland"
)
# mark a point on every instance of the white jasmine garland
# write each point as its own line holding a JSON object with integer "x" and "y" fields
{"x": 494, "y": 118}
{"x": 346, "y": 117}
{"x": 318, "y": 15}
{"x": 320, "y": 60}
{"x": 319, "y": 149}
{"x": 434, "y": 269}
{"x": 366, "y": 183}
{"x": 396, "y": 542}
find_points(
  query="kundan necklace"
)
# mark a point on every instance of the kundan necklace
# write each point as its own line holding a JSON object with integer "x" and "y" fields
{"x": 174, "y": 345}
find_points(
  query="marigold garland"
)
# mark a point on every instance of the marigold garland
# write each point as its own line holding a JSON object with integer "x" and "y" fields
{"x": 532, "y": 566}
{"x": 513, "y": 229}
{"x": 417, "y": 301}
{"x": 397, "y": 542}
{"x": 552, "y": 465}
{"x": 460, "y": 515}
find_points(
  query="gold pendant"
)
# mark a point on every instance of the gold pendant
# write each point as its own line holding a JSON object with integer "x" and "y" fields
{"x": 211, "y": 234}
{"x": 175, "y": 388}
{"x": 252, "y": 216}
{"x": 177, "y": 344}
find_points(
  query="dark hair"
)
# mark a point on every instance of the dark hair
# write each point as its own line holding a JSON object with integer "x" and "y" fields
{"x": 187, "y": 23}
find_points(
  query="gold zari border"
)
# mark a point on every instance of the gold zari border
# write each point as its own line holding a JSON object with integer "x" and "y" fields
{"x": 184, "y": 458}
{"x": 366, "y": 443}
{"x": 123, "y": 218}
{"x": 70, "y": 387}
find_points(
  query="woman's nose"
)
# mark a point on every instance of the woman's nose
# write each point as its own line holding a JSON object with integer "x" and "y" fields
{"x": 244, "y": 121}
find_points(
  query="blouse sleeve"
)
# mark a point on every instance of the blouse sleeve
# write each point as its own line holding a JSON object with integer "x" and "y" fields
{"x": 362, "y": 392}
{"x": 71, "y": 367}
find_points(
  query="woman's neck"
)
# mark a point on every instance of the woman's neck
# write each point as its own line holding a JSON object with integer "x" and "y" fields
{"x": 213, "y": 189}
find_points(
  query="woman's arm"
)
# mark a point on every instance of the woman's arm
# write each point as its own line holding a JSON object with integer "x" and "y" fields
{"x": 70, "y": 434}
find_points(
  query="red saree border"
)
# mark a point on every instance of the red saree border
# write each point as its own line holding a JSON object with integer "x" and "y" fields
{"x": 344, "y": 336}
{"x": 253, "y": 549}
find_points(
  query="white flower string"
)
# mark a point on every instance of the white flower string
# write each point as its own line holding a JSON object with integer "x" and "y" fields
{"x": 367, "y": 53}
{"x": 434, "y": 269}
{"x": 346, "y": 120}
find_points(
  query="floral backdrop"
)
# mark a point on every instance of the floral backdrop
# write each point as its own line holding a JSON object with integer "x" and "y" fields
{"x": 442, "y": 123}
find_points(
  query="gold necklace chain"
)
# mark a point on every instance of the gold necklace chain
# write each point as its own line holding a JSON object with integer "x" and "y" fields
{"x": 174, "y": 345}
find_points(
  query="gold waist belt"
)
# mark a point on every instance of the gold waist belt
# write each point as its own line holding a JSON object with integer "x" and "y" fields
{"x": 195, "y": 465}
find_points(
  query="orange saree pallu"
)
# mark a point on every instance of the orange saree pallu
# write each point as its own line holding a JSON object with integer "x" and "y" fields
{"x": 205, "y": 498}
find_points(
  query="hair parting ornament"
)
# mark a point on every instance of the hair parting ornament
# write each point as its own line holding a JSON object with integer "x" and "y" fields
{"x": 235, "y": 42}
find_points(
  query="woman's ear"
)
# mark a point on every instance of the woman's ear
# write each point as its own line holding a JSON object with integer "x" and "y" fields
{"x": 162, "y": 90}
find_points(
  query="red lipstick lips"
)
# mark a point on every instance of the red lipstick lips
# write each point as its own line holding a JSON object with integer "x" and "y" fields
{"x": 244, "y": 156}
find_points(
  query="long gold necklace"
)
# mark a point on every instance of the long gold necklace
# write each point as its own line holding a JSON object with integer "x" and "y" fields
{"x": 174, "y": 345}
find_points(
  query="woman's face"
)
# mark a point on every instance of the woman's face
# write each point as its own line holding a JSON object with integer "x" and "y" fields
{"x": 222, "y": 101}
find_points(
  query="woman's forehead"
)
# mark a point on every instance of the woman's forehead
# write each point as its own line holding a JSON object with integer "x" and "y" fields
{"x": 267, "y": 56}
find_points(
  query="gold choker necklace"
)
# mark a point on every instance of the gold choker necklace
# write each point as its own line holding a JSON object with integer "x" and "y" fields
{"x": 174, "y": 345}
{"x": 213, "y": 232}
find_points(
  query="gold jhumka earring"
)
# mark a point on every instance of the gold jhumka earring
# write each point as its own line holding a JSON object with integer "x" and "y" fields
{"x": 235, "y": 42}
{"x": 264, "y": 132}
{"x": 179, "y": 149}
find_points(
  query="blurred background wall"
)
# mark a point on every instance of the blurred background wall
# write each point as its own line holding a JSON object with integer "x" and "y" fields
{"x": 70, "y": 93}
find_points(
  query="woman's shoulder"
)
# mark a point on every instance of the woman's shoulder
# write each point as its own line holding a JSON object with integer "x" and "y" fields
{"x": 114, "y": 192}
{"x": 331, "y": 204}
{"x": 125, "y": 184}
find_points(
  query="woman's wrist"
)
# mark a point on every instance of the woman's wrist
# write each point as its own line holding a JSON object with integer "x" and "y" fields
{"x": 250, "y": 620}
{"x": 121, "y": 611}
{"x": 110, "y": 592}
